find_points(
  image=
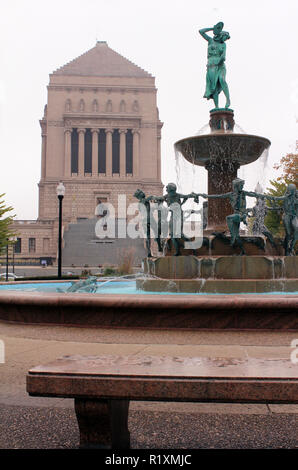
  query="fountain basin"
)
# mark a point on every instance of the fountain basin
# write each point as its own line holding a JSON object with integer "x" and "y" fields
{"x": 152, "y": 311}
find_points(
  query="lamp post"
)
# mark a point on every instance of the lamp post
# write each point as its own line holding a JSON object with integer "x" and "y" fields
{"x": 6, "y": 273}
{"x": 60, "y": 193}
{"x": 13, "y": 239}
{"x": 13, "y": 252}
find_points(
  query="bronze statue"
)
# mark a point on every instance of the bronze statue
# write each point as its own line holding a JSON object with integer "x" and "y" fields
{"x": 148, "y": 221}
{"x": 84, "y": 285}
{"x": 290, "y": 217}
{"x": 237, "y": 199}
{"x": 216, "y": 69}
{"x": 259, "y": 212}
{"x": 175, "y": 201}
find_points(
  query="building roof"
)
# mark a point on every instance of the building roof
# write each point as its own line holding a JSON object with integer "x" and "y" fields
{"x": 102, "y": 61}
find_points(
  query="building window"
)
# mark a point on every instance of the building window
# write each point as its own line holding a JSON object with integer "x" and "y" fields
{"x": 101, "y": 200}
{"x": 88, "y": 151}
{"x": 109, "y": 106}
{"x": 95, "y": 106}
{"x": 135, "y": 107}
{"x": 102, "y": 212}
{"x": 102, "y": 151}
{"x": 122, "y": 108}
{"x": 129, "y": 155}
{"x": 68, "y": 106}
{"x": 18, "y": 246}
{"x": 82, "y": 106}
{"x": 116, "y": 151}
{"x": 32, "y": 245}
{"x": 74, "y": 151}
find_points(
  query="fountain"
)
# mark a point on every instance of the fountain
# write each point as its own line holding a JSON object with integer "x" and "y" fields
{"x": 213, "y": 267}
{"x": 230, "y": 281}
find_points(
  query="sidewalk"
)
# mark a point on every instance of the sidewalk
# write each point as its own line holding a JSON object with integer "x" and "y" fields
{"x": 32, "y": 422}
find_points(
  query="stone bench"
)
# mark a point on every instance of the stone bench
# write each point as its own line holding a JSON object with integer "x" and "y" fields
{"x": 102, "y": 387}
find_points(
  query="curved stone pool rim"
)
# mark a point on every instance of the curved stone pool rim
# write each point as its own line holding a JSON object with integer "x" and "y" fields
{"x": 229, "y": 312}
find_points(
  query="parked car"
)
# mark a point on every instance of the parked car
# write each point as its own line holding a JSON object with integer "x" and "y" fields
{"x": 11, "y": 276}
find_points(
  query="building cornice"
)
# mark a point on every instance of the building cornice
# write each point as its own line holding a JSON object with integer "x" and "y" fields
{"x": 104, "y": 180}
{"x": 72, "y": 115}
{"x": 102, "y": 88}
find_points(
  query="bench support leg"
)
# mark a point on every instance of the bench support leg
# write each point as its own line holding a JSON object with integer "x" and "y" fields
{"x": 103, "y": 423}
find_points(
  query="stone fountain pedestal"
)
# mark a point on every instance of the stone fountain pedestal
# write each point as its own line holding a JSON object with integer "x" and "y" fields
{"x": 219, "y": 244}
{"x": 221, "y": 274}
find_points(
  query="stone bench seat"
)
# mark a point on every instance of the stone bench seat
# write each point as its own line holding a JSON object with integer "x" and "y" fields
{"x": 102, "y": 387}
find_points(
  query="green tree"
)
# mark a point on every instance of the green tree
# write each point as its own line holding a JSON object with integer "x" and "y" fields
{"x": 289, "y": 166}
{"x": 273, "y": 220}
{"x": 5, "y": 222}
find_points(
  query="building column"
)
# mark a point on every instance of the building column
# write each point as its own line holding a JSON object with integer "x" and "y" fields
{"x": 43, "y": 125}
{"x": 67, "y": 152}
{"x": 158, "y": 158}
{"x": 81, "y": 170}
{"x": 95, "y": 152}
{"x": 122, "y": 153}
{"x": 135, "y": 153}
{"x": 109, "y": 164}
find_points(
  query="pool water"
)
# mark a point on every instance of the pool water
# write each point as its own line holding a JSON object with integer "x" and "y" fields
{"x": 111, "y": 287}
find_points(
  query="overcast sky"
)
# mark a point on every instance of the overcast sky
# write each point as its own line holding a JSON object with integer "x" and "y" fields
{"x": 162, "y": 37}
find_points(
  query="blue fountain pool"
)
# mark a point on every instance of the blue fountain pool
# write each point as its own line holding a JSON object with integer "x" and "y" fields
{"x": 111, "y": 287}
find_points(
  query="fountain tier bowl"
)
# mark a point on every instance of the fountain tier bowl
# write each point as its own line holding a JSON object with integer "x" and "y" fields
{"x": 221, "y": 152}
{"x": 238, "y": 148}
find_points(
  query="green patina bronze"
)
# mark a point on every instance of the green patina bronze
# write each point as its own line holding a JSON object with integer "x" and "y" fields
{"x": 237, "y": 199}
{"x": 290, "y": 217}
{"x": 216, "y": 69}
{"x": 174, "y": 201}
{"x": 84, "y": 285}
{"x": 215, "y": 84}
{"x": 148, "y": 221}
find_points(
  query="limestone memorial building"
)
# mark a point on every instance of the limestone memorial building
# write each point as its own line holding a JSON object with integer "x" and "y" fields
{"x": 100, "y": 136}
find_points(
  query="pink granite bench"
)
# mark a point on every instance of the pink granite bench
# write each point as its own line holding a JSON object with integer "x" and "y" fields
{"x": 102, "y": 387}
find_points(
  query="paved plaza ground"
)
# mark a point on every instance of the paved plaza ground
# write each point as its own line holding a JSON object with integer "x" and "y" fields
{"x": 43, "y": 423}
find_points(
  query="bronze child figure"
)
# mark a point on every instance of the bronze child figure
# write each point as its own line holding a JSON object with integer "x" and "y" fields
{"x": 148, "y": 221}
{"x": 290, "y": 217}
{"x": 174, "y": 202}
{"x": 237, "y": 199}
